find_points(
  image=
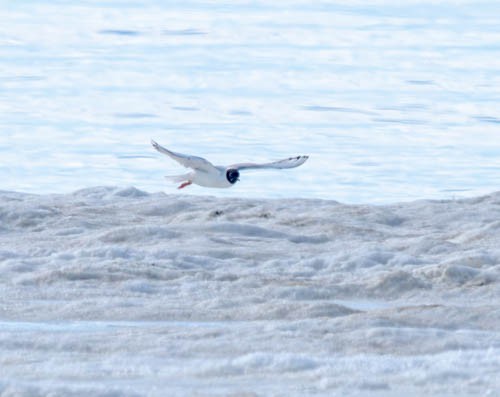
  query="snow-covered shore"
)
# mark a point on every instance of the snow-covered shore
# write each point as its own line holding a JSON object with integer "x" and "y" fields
{"x": 117, "y": 290}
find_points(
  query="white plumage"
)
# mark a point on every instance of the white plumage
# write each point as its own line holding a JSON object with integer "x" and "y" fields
{"x": 208, "y": 175}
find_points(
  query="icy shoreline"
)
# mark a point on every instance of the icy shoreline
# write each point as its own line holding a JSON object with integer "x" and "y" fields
{"x": 193, "y": 294}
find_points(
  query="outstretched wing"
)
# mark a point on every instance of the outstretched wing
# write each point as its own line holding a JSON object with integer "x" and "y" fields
{"x": 291, "y": 162}
{"x": 194, "y": 162}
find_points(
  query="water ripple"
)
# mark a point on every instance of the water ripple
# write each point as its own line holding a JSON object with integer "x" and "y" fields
{"x": 488, "y": 119}
{"x": 120, "y": 32}
{"x": 184, "y": 32}
{"x": 320, "y": 108}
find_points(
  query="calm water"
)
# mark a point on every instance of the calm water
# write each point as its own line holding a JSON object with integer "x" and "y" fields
{"x": 393, "y": 102}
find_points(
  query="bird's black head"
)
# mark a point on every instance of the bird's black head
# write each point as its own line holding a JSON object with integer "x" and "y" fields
{"x": 232, "y": 175}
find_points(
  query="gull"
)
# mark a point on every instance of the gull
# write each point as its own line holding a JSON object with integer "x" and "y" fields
{"x": 205, "y": 174}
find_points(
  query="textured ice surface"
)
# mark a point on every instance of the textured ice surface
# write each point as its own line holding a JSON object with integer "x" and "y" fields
{"x": 113, "y": 291}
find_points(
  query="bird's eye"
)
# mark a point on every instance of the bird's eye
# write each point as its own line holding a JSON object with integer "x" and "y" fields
{"x": 232, "y": 175}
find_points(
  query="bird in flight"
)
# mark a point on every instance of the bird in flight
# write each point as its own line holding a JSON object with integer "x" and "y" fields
{"x": 204, "y": 173}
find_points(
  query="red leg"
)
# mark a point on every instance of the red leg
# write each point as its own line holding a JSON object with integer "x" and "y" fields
{"x": 185, "y": 184}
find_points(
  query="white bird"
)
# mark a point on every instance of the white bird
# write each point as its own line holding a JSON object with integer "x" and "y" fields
{"x": 208, "y": 175}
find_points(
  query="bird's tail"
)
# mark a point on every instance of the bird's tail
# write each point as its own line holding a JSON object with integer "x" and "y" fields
{"x": 178, "y": 178}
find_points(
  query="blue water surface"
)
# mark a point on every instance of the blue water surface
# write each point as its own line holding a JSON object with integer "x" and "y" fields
{"x": 392, "y": 100}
